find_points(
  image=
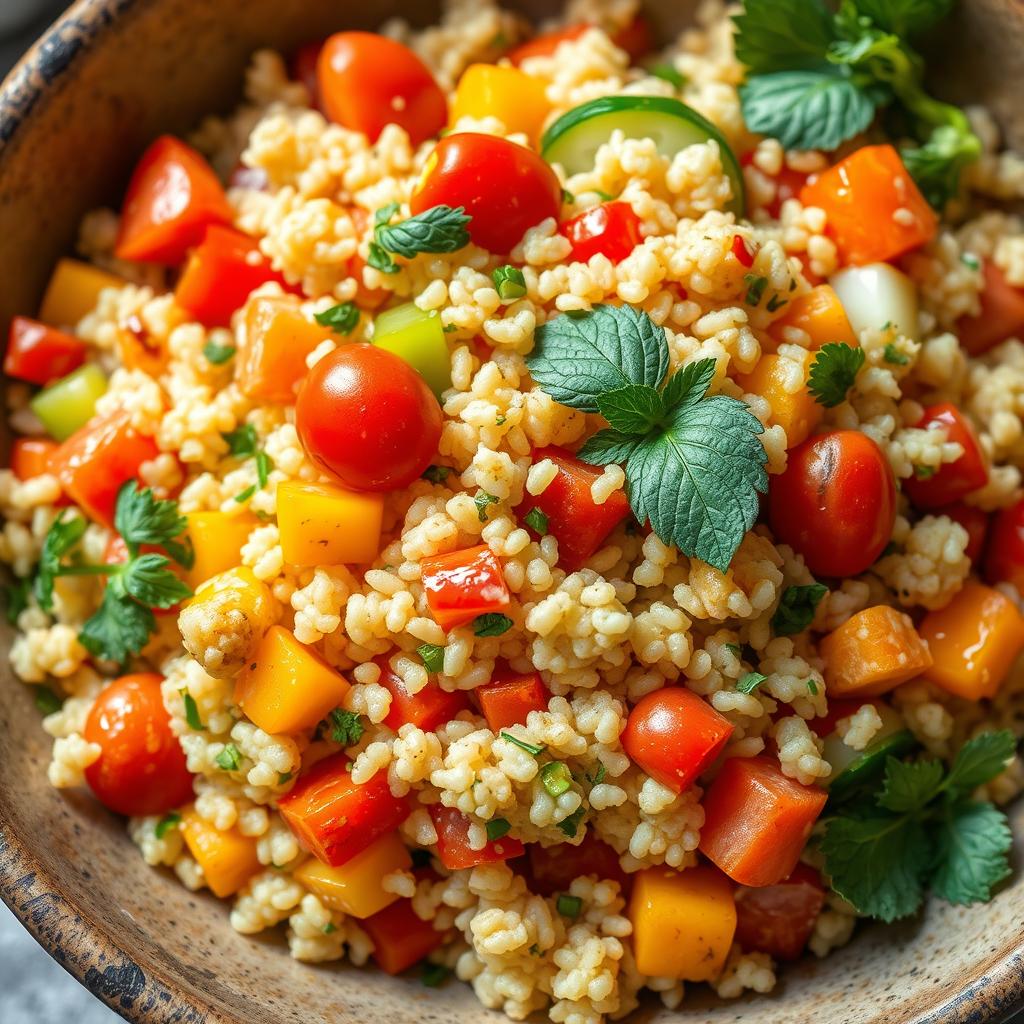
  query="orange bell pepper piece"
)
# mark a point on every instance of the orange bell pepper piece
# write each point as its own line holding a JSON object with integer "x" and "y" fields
{"x": 228, "y": 858}
{"x": 462, "y": 585}
{"x": 73, "y": 291}
{"x": 795, "y": 411}
{"x": 516, "y": 99}
{"x": 217, "y": 539}
{"x": 30, "y": 456}
{"x": 820, "y": 315}
{"x": 400, "y": 937}
{"x": 322, "y": 524}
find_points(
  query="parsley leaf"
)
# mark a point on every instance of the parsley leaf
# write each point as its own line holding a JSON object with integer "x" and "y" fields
{"x": 63, "y": 535}
{"x": 755, "y": 288}
{"x": 482, "y": 500}
{"x": 141, "y": 519}
{"x": 16, "y": 599}
{"x": 119, "y": 627}
{"x": 243, "y": 441}
{"x": 346, "y": 726}
{"x": 796, "y": 609}
{"x": 750, "y": 682}
{"x": 148, "y": 580}
{"x": 342, "y": 318}
{"x": 782, "y": 35}
{"x": 972, "y": 845}
{"x": 981, "y": 759}
{"x": 537, "y": 521}
{"x": 530, "y": 748}
{"x": 491, "y": 624}
{"x": 909, "y": 785}
{"x": 834, "y": 372}
{"x": 436, "y": 474}
{"x": 440, "y": 229}
{"x": 936, "y": 165}
{"x": 230, "y": 758}
{"x": 191, "y": 711}
{"x": 570, "y": 826}
{"x": 891, "y": 354}
{"x": 264, "y": 464}
{"x": 432, "y": 656}
{"x": 218, "y": 354}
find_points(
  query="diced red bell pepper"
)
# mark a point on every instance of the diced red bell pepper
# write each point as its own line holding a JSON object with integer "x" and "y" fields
{"x": 334, "y": 817}
{"x": 462, "y": 585}
{"x": 741, "y": 250}
{"x": 574, "y": 519}
{"x": 400, "y": 937}
{"x": 30, "y": 456}
{"x": 509, "y": 698}
{"x": 452, "y": 827}
{"x": 611, "y": 229}
{"x": 778, "y": 919}
{"x": 952, "y": 480}
{"x": 94, "y": 462}
{"x": 551, "y": 869}
{"x": 1001, "y": 315}
{"x": 172, "y": 199}
{"x": 757, "y": 820}
{"x": 875, "y": 210}
{"x": 220, "y": 274}
{"x": 427, "y": 709}
{"x": 41, "y": 354}
{"x": 635, "y": 38}
{"x": 1004, "y": 559}
{"x": 974, "y": 521}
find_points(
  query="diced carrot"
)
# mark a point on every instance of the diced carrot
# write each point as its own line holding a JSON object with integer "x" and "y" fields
{"x": 875, "y": 210}
{"x": 30, "y": 456}
{"x": 1001, "y": 315}
{"x": 426, "y": 709}
{"x": 795, "y": 411}
{"x": 757, "y": 820}
{"x": 400, "y": 937}
{"x": 509, "y": 698}
{"x": 462, "y": 585}
{"x": 228, "y": 858}
{"x": 820, "y": 315}
{"x": 452, "y": 827}
{"x": 873, "y": 652}
{"x": 974, "y": 640}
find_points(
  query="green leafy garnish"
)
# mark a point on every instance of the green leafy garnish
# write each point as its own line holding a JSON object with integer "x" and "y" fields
{"x": 530, "y": 748}
{"x": 243, "y": 441}
{"x": 346, "y": 727}
{"x": 482, "y": 500}
{"x": 812, "y": 687}
{"x": 796, "y": 609}
{"x": 571, "y": 825}
{"x": 923, "y": 830}
{"x": 891, "y": 354}
{"x": 434, "y": 974}
{"x": 755, "y": 288}
{"x": 243, "y": 496}
{"x": 969, "y": 260}
{"x": 925, "y": 472}
{"x": 496, "y": 828}
{"x": 218, "y": 354}
{"x": 598, "y": 776}
{"x": 834, "y": 372}
{"x": 63, "y": 535}
{"x": 437, "y": 474}
{"x": 47, "y": 701}
{"x": 330, "y": 928}
{"x": 440, "y": 229}
{"x": 569, "y": 906}
{"x": 191, "y": 711}
{"x": 230, "y": 758}
{"x": 509, "y": 282}
{"x": 556, "y": 778}
{"x": 537, "y": 521}
{"x": 16, "y": 598}
{"x": 264, "y": 464}
{"x": 667, "y": 73}
{"x": 750, "y": 682}
{"x": 491, "y": 624}
{"x": 166, "y": 823}
{"x": 432, "y": 656}
{"x": 342, "y": 318}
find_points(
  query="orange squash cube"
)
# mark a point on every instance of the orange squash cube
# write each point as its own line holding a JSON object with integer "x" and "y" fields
{"x": 795, "y": 411}
{"x": 974, "y": 641}
{"x": 217, "y": 540}
{"x": 323, "y": 524}
{"x": 820, "y": 315}
{"x": 286, "y": 687}
{"x": 73, "y": 291}
{"x": 228, "y": 859}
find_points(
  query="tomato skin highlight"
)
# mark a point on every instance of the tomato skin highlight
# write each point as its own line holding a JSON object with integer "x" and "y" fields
{"x": 366, "y": 81}
{"x": 952, "y": 480}
{"x": 778, "y": 919}
{"x": 141, "y": 769}
{"x": 453, "y": 849}
{"x": 41, "y": 354}
{"x": 835, "y": 504}
{"x": 975, "y": 521}
{"x": 462, "y": 585}
{"x": 611, "y": 229}
{"x": 505, "y": 188}
{"x": 366, "y": 417}
{"x": 1004, "y": 559}
{"x": 674, "y": 735}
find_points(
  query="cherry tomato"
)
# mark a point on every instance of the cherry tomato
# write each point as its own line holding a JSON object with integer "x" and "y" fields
{"x": 612, "y": 229}
{"x": 952, "y": 480}
{"x": 368, "y": 418}
{"x": 41, "y": 354}
{"x": 1001, "y": 315}
{"x": 141, "y": 769}
{"x": 367, "y": 81}
{"x": 505, "y": 188}
{"x": 974, "y": 521}
{"x": 1004, "y": 560}
{"x": 835, "y": 504}
{"x": 778, "y": 919}
{"x": 673, "y": 735}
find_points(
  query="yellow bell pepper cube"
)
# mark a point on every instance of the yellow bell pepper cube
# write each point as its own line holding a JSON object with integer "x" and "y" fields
{"x": 73, "y": 291}
{"x": 322, "y": 524}
{"x": 515, "y": 98}
{"x": 974, "y": 641}
{"x": 217, "y": 540}
{"x": 286, "y": 687}
{"x": 228, "y": 859}
{"x": 784, "y": 383}
{"x": 683, "y": 922}
{"x": 355, "y": 887}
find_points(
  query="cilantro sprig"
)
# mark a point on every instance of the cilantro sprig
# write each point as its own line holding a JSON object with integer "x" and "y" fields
{"x": 922, "y": 830}
{"x": 833, "y": 372}
{"x": 440, "y": 229}
{"x": 817, "y": 78}
{"x": 694, "y": 463}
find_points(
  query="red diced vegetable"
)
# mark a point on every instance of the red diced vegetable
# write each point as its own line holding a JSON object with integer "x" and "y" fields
{"x": 427, "y": 709}
{"x": 1004, "y": 560}
{"x": 334, "y": 817}
{"x": 172, "y": 199}
{"x": 551, "y": 869}
{"x": 1001, "y": 315}
{"x": 611, "y": 229}
{"x": 30, "y": 456}
{"x": 453, "y": 849}
{"x": 635, "y": 38}
{"x": 462, "y": 585}
{"x": 400, "y": 937}
{"x": 778, "y": 919}
{"x": 952, "y": 480}
{"x": 741, "y": 251}
{"x": 41, "y": 354}
{"x": 509, "y": 698}
{"x": 974, "y": 521}
{"x": 757, "y": 820}
{"x": 837, "y": 709}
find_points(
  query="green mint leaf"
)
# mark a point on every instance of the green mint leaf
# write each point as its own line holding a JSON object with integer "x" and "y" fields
{"x": 579, "y": 357}
{"x": 782, "y": 35}
{"x": 166, "y": 823}
{"x": 775, "y": 302}
{"x": 264, "y": 464}
{"x": 750, "y": 682}
{"x": 936, "y": 165}
{"x": 909, "y": 785}
{"x": 439, "y": 229}
{"x": 378, "y": 258}
{"x": 47, "y": 701}
{"x": 667, "y": 73}
{"x": 65, "y": 532}
{"x": 807, "y": 109}
{"x": 980, "y": 760}
{"x": 437, "y": 474}
{"x": 120, "y": 627}
{"x": 905, "y": 17}
{"x": 230, "y": 758}
{"x": 634, "y": 409}
{"x": 148, "y": 580}
{"x": 878, "y": 863}
{"x": 891, "y": 354}
{"x": 346, "y": 727}
{"x": 973, "y": 841}
{"x": 218, "y": 354}
{"x": 689, "y": 384}
{"x": 530, "y": 748}
{"x": 191, "y": 711}
{"x": 509, "y": 282}
{"x": 432, "y": 656}
{"x": 796, "y": 609}
{"x": 537, "y": 521}
{"x": 142, "y": 519}
{"x": 608, "y": 446}
{"x": 491, "y": 624}
{"x": 16, "y": 599}
{"x": 342, "y": 318}
{"x": 385, "y": 213}
{"x": 243, "y": 441}
{"x": 755, "y": 288}
{"x": 833, "y": 372}
{"x": 496, "y": 828}
{"x": 482, "y": 500}
{"x": 812, "y": 687}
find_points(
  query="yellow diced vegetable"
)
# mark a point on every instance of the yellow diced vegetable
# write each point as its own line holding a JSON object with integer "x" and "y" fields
{"x": 355, "y": 887}
{"x": 783, "y": 382}
{"x": 228, "y": 859}
{"x": 217, "y": 540}
{"x": 73, "y": 291}
{"x": 322, "y": 524}
{"x": 285, "y": 687}
{"x": 683, "y": 922}
{"x": 515, "y": 98}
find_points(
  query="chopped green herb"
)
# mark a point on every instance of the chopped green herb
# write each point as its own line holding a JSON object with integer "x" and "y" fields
{"x": 342, "y": 318}
{"x": 833, "y": 372}
{"x": 750, "y": 682}
{"x": 556, "y": 778}
{"x": 230, "y": 758}
{"x": 243, "y": 496}
{"x": 571, "y": 825}
{"x": 537, "y": 521}
{"x": 449, "y": 328}
{"x": 491, "y": 624}
{"x": 796, "y": 609}
{"x": 569, "y": 906}
{"x": 346, "y": 726}
{"x": 434, "y": 974}
{"x": 440, "y": 229}
{"x": 63, "y": 535}
{"x": 925, "y": 472}
{"x": 191, "y": 711}
{"x": 283, "y": 778}
{"x": 735, "y": 648}
{"x": 243, "y": 441}
{"x": 775, "y": 302}
{"x": 330, "y": 928}
{"x": 482, "y": 500}
{"x": 567, "y": 197}
{"x": 218, "y": 354}
{"x": 667, "y": 73}
{"x": 891, "y": 354}
{"x": 499, "y": 421}
{"x": 437, "y": 474}
{"x": 530, "y": 748}
{"x": 377, "y": 257}
{"x": 496, "y": 828}
{"x": 509, "y": 282}
{"x": 16, "y": 599}
{"x": 166, "y": 823}
{"x": 432, "y": 656}
{"x": 47, "y": 701}
{"x": 264, "y": 464}
{"x": 605, "y": 197}
{"x": 599, "y": 775}
{"x": 812, "y": 687}
{"x": 969, "y": 260}
{"x": 755, "y": 288}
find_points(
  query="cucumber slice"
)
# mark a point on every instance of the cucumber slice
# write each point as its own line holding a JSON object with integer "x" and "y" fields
{"x": 849, "y": 773}
{"x": 573, "y": 140}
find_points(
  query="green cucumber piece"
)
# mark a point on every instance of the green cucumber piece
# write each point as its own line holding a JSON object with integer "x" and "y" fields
{"x": 70, "y": 402}
{"x": 416, "y": 336}
{"x": 574, "y": 139}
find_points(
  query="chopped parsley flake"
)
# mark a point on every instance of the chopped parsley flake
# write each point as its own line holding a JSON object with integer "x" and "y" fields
{"x": 537, "y": 521}
{"x": 432, "y": 656}
{"x": 496, "y": 828}
{"x": 530, "y": 748}
{"x": 491, "y": 624}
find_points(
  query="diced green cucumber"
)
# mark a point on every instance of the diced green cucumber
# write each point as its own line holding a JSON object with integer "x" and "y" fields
{"x": 70, "y": 402}
{"x": 574, "y": 139}
{"x": 852, "y": 768}
{"x": 416, "y": 336}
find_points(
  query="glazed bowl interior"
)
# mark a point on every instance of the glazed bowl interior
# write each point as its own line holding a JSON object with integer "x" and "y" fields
{"x": 73, "y": 119}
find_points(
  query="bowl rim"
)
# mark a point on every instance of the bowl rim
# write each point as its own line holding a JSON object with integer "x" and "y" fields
{"x": 992, "y": 996}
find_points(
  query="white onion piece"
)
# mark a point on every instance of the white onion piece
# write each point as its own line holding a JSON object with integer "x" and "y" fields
{"x": 875, "y": 295}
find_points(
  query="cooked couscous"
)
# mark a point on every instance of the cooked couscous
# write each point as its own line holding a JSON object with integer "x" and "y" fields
{"x": 519, "y": 503}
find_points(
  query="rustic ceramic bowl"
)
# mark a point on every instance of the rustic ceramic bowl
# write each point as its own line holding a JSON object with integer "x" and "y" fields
{"x": 73, "y": 118}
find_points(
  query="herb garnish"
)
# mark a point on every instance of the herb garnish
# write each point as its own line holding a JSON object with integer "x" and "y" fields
{"x": 694, "y": 463}
{"x": 434, "y": 974}
{"x": 342, "y": 318}
{"x": 750, "y": 682}
{"x": 530, "y": 748}
{"x": 47, "y": 701}
{"x": 191, "y": 711}
{"x": 891, "y": 354}
{"x": 570, "y": 826}
{"x": 482, "y": 500}
{"x": 536, "y": 521}
{"x": 230, "y": 758}
{"x": 218, "y": 354}
{"x": 166, "y": 823}
{"x": 796, "y": 609}
{"x": 496, "y": 828}
{"x": 16, "y": 599}
{"x": 491, "y": 624}
{"x": 568, "y": 906}
{"x": 432, "y": 656}
{"x": 346, "y": 727}
{"x": 437, "y": 474}
{"x": 440, "y": 229}
{"x": 833, "y": 372}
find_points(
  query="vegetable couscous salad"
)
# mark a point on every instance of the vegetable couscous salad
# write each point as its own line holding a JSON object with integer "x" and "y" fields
{"x": 523, "y": 505}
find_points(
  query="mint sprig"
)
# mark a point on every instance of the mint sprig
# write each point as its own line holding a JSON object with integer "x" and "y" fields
{"x": 440, "y": 229}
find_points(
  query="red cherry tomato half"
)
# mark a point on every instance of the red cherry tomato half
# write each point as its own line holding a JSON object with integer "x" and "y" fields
{"x": 141, "y": 769}
{"x": 40, "y": 354}
{"x": 367, "y": 81}
{"x": 505, "y": 188}
{"x": 952, "y": 480}
{"x": 974, "y": 521}
{"x": 1004, "y": 560}
{"x": 611, "y": 229}
{"x": 368, "y": 418}
{"x": 835, "y": 504}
